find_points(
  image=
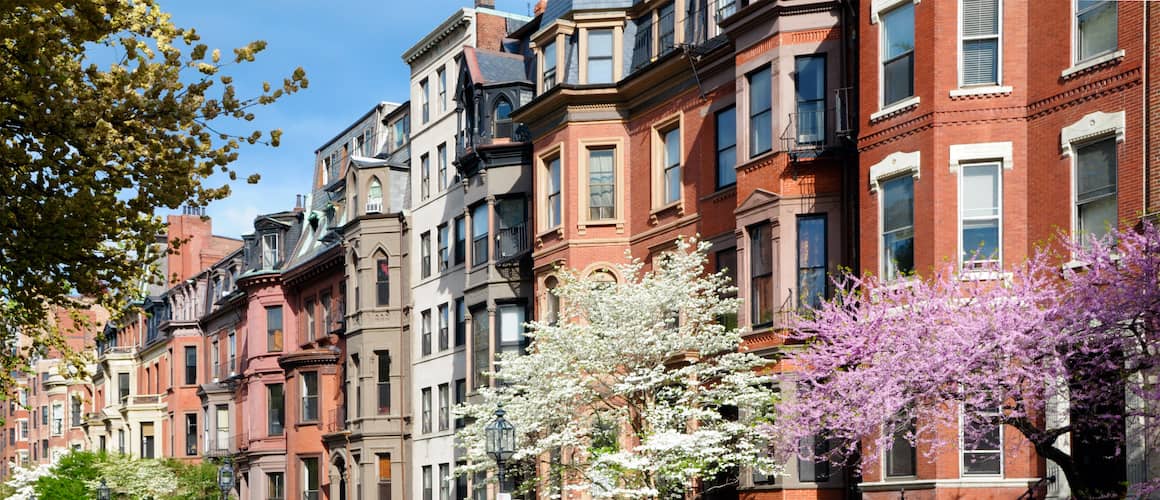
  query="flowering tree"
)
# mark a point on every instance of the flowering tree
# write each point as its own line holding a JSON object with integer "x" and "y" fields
{"x": 636, "y": 390}
{"x": 24, "y": 479}
{"x": 1062, "y": 354}
{"x": 136, "y": 478}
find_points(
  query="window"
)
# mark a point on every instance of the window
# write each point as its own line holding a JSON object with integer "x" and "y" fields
{"x": 810, "y": 96}
{"x": 444, "y": 481}
{"x": 122, "y": 386}
{"x": 76, "y": 403}
{"x": 444, "y": 249}
{"x": 57, "y": 419}
{"x": 479, "y": 345}
{"x": 444, "y": 406}
{"x": 479, "y": 234}
{"x": 309, "y": 397}
{"x": 270, "y": 255}
{"x": 1095, "y": 188}
{"x": 383, "y": 381}
{"x": 511, "y": 329}
{"x": 983, "y": 442}
{"x": 384, "y": 463}
{"x": 368, "y": 141}
{"x": 900, "y": 457}
{"x": 897, "y": 54}
{"x": 425, "y": 325}
{"x": 551, "y": 300}
{"x": 726, "y": 147}
{"x": 441, "y": 157}
{"x": 460, "y": 239}
{"x": 979, "y": 214}
{"x": 382, "y": 282}
{"x": 761, "y": 274}
{"x": 325, "y": 302}
{"x": 549, "y": 65}
{"x": 425, "y": 254}
{"x": 460, "y": 398}
{"x": 726, "y": 261}
{"x": 601, "y": 184}
{"x": 310, "y": 479}
{"x": 232, "y": 346}
{"x": 815, "y": 469}
{"x": 510, "y": 234}
{"x": 898, "y": 226}
{"x": 222, "y": 413}
{"x": 811, "y": 260}
{"x": 1095, "y": 28}
{"x": 275, "y": 410}
{"x": 275, "y": 486}
{"x": 600, "y": 56}
{"x": 671, "y": 166}
{"x": 444, "y": 334}
{"x": 441, "y": 77}
{"x": 191, "y": 434}
{"x": 274, "y": 329}
{"x": 425, "y": 397}
{"x": 427, "y": 482}
{"x": 460, "y": 322}
{"x": 666, "y": 29}
{"x": 555, "y": 210}
{"x": 502, "y": 118}
{"x": 424, "y": 176}
{"x": 375, "y": 197}
{"x": 190, "y": 365}
{"x": 980, "y": 44}
{"x": 399, "y": 132}
{"x": 760, "y": 112}
{"x": 425, "y": 100}
{"x": 310, "y": 324}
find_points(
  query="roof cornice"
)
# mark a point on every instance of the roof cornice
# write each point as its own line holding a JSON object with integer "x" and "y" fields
{"x": 460, "y": 18}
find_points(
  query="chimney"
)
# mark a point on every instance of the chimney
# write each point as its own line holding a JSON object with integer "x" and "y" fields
{"x": 485, "y": 3}
{"x": 540, "y": 6}
{"x": 299, "y": 200}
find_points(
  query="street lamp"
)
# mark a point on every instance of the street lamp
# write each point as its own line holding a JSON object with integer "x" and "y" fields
{"x": 226, "y": 478}
{"x": 103, "y": 491}
{"x": 501, "y": 441}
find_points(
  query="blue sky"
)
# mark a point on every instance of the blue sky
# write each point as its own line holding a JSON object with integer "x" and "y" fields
{"x": 351, "y": 51}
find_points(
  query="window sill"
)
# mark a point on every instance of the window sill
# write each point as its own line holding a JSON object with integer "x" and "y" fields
{"x": 601, "y": 222}
{"x": 558, "y": 230}
{"x": 895, "y": 108}
{"x": 984, "y": 91}
{"x": 984, "y": 276}
{"x": 657, "y": 210}
{"x": 1092, "y": 63}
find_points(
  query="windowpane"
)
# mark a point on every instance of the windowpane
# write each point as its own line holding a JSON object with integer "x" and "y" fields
{"x": 274, "y": 329}
{"x": 511, "y": 328}
{"x": 309, "y": 396}
{"x": 898, "y": 225}
{"x": 760, "y": 112}
{"x": 383, "y": 282}
{"x": 900, "y": 457}
{"x": 310, "y": 480}
{"x": 761, "y": 274}
{"x": 425, "y": 417}
{"x": 726, "y": 147}
{"x": 554, "y": 207}
{"x": 982, "y": 445}
{"x": 601, "y": 184}
{"x": 460, "y": 322}
{"x": 460, "y": 239}
{"x": 810, "y": 93}
{"x": 898, "y": 54}
{"x": 425, "y": 255}
{"x": 276, "y": 407}
{"x": 425, "y": 325}
{"x": 898, "y": 79}
{"x": 1096, "y": 188}
{"x": 672, "y": 172}
{"x": 1096, "y": 27}
{"x": 980, "y": 190}
{"x": 600, "y": 56}
{"x": 811, "y": 234}
{"x": 980, "y": 61}
{"x": 383, "y": 380}
{"x": 190, "y": 365}
{"x": 479, "y": 340}
{"x": 479, "y": 234}
{"x": 444, "y": 334}
{"x": 549, "y": 65}
{"x": 444, "y": 247}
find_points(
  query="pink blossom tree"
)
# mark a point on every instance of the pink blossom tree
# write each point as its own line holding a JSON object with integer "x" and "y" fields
{"x": 1062, "y": 353}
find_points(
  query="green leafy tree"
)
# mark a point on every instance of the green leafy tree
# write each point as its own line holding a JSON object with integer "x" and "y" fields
{"x": 108, "y": 111}
{"x": 70, "y": 477}
{"x": 195, "y": 481}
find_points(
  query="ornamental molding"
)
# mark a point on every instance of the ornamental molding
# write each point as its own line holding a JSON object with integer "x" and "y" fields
{"x": 962, "y": 153}
{"x": 894, "y": 164}
{"x": 878, "y": 6}
{"x": 1091, "y": 126}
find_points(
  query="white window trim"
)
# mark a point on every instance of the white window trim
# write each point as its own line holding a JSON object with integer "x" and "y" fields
{"x": 877, "y": 7}
{"x": 892, "y": 109}
{"x": 998, "y": 85}
{"x": 980, "y": 153}
{"x": 894, "y": 165}
{"x": 1002, "y": 452}
{"x": 973, "y": 274}
{"x": 1077, "y": 65}
{"x": 556, "y": 151}
{"x": 617, "y": 145}
{"x": 1091, "y": 63}
{"x": 1092, "y": 127}
{"x": 981, "y": 90}
{"x": 659, "y": 130}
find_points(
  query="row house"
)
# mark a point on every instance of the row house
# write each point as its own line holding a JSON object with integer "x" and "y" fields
{"x": 46, "y": 419}
{"x": 985, "y": 127}
{"x": 456, "y": 278}
{"x": 728, "y": 121}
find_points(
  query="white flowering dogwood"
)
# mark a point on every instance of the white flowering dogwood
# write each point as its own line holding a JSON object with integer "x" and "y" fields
{"x": 638, "y": 390}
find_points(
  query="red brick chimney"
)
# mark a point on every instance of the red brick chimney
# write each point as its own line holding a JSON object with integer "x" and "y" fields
{"x": 540, "y": 6}
{"x": 485, "y": 3}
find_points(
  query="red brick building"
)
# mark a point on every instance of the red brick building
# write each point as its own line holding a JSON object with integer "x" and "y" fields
{"x": 985, "y": 128}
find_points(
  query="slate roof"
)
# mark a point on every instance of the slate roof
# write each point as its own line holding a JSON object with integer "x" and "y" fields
{"x": 489, "y": 66}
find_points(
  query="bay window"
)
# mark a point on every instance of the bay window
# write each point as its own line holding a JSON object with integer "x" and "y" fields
{"x": 897, "y": 53}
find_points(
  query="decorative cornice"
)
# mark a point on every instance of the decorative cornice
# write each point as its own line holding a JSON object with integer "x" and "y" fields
{"x": 432, "y": 39}
{"x": 312, "y": 357}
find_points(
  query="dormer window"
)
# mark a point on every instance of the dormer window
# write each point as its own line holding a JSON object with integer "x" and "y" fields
{"x": 375, "y": 197}
{"x": 502, "y": 123}
{"x": 600, "y": 56}
{"x": 549, "y": 53}
{"x": 270, "y": 253}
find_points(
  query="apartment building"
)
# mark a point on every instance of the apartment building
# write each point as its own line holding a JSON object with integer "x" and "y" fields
{"x": 441, "y": 258}
{"x": 984, "y": 128}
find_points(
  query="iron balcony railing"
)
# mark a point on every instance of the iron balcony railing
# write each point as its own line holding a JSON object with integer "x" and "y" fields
{"x": 698, "y": 22}
{"x": 814, "y": 128}
{"x": 336, "y": 421}
{"x": 511, "y": 242}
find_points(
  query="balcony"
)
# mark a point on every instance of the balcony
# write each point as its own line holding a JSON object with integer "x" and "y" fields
{"x": 375, "y": 206}
{"x": 656, "y": 31}
{"x": 218, "y": 444}
{"x": 813, "y": 128}
{"x": 336, "y": 421}
{"x": 511, "y": 242}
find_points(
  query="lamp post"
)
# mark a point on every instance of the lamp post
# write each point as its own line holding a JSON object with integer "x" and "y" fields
{"x": 501, "y": 442}
{"x": 103, "y": 491}
{"x": 226, "y": 478}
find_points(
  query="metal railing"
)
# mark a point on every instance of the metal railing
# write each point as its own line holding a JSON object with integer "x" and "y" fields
{"x": 511, "y": 242}
{"x": 336, "y": 420}
{"x": 374, "y": 206}
{"x": 814, "y": 128}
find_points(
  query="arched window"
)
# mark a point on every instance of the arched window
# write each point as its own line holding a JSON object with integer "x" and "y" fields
{"x": 552, "y": 301}
{"x": 502, "y": 121}
{"x": 375, "y": 196}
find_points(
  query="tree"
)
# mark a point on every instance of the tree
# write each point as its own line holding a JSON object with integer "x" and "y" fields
{"x": 195, "y": 480}
{"x": 136, "y": 478}
{"x": 1054, "y": 352}
{"x": 107, "y": 112}
{"x": 635, "y": 391}
{"x": 71, "y": 476}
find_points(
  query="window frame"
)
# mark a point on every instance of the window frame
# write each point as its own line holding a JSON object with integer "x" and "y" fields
{"x": 1076, "y": 203}
{"x": 191, "y": 433}
{"x": 425, "y": 415}
{"x": 887, "y": 461}
{"x": 424, "y": 176}
{"x": 280, "y": 428}
{"x": 963, "y": 219}
{"x": 383, "y": 382}
{"x": 460, "y": 232}
{"x": 1089, "y": 130}
{"x": 444, "y": 314}
{"x": 382, "y": 282}
{"x": 718, "y": 149}
{"x": 443, "y": 237}
{"x": 764, "y": 114}
{"x": 891, "y": 272}
{"x": 444, "y": 419}
{"x": 589, "y": 147}
{"x": 307, "y": 493}
{"x": 548, "y": 73}
{"x": 425, "y": 335}
{"x": 480, "y": 241}
{"x": 883, "y": 61}
{"x": 551, "y": 201}
{"x": 824, "y": 218}
{"x": 441, "y": 88}
{"x": 589, "y": 57}
{"x": 1077, "y": 59}
{"x": 441, "y": 161}
{"x": 425, "y": 100}
{"x": 308, "y": 397}
{"x": 663, "y": 165}
{"x": 190, "y": 374}
{"x": 425, "y": 255}
{"x": 760, "y": 232}
{"x": 798, "y": 102}
{"x": 963, "y": 452}
{"x": 998, "y": 37}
